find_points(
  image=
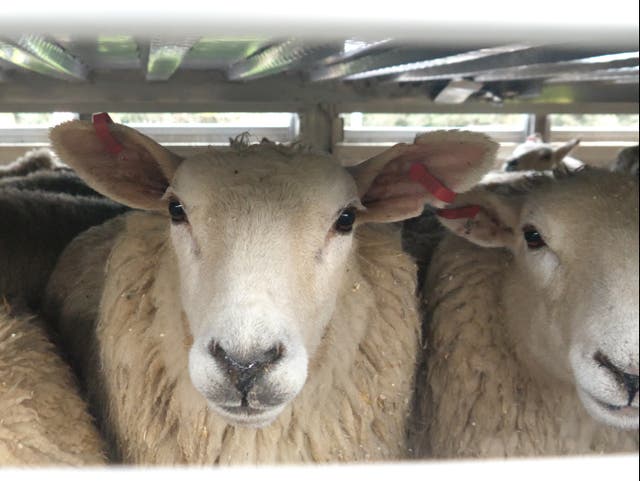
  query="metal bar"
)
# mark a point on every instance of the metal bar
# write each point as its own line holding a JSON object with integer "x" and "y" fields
{"x": 594, "y": 134}
{"x": 457, "y": 91}
{"x": 277, "y": 58}
{"x": 34, "y": 52}
{"x": 172, "y": 134}
{"x": 627, "y": 74}
{"x": 320, "y": 127}
{"x": 391, "y": 61}
{"x": 366, "y": 135}
{"x": 519, "y": 56}
{"x": 354, "y": 48}
{"x": 556, "y": 69}
{"x": 165, "y": 56}
{"x": 542, "y": 125}
{"x": 197, "y": 91}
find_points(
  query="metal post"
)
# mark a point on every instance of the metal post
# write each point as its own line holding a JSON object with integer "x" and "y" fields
{"x": 539, "y": 123}
{"x": 320, "y": 127}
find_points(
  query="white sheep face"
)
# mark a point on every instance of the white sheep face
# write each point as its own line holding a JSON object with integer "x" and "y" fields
{"x": 262, "y": 242}
{"x": 261, "y": 261}
{"x": 571, "y": 291}
{"x": 540, "y": 156}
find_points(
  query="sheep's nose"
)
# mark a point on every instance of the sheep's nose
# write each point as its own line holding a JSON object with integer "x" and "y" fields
{"x": 511, "y": 165}
{"x": 243, "y": 371}
{"x": 628, "y": 380}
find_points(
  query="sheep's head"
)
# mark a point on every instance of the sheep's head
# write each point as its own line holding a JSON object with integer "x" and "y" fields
{"x": 539, "y": 156}
{"x": 262, "y": 238}
{"x": 571, "y": 291}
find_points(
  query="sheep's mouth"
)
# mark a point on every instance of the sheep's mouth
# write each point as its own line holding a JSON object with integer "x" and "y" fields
{"x": 247, "y": 416}
{"x": 623, "y": 416}
{"x": 621, "y": 409}
{"x": 244, "y": 410}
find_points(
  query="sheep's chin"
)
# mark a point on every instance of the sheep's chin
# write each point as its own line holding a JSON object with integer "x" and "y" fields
{"x": 254, "y": 420}
{"x": 621, "y": 417}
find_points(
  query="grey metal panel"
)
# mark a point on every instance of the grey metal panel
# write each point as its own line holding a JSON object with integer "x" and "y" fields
{"x": 274, "y": 74}
{"x": 519, "y": 56}
{"x": 36, "y": 53}
{"x": 457, "y": 91}
{"x": 199, "y": 91}
{"x": 165, "y": 56}
{"x": 187, "y": 133}
{"x": 366, "y": 135}
{"x": 558, "y": 68}
{"x": 594, "y": 134}
{"x": 289, "y": 54}
{"x": 616, "y": 75}
{"x": 389, "y": 61}
{"x": 354, "y": 47}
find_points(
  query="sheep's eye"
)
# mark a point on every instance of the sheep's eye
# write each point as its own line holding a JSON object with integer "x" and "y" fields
{"x": 176, "y": 211}
{"x": 533, "y": 237}
{"x": 344, "y": 223}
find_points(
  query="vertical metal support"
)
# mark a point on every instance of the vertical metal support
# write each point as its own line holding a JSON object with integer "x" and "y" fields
{"x": 539, "y": 123}
{"x": 85, "y": 116}
{"x": 320, "y": 127}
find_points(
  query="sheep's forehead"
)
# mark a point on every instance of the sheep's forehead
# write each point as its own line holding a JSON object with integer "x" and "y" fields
{"x": 531, "y": 148}
{"x": 591, "y": 206}
{"x": 263, "y": 176}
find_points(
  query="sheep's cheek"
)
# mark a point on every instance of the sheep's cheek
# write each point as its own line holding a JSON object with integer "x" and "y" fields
{"x": 543, "y": 265}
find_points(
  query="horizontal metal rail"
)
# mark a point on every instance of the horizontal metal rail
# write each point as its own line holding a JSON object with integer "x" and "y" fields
{"x": 367, "y": 135}
{"x": 168, "y": 134}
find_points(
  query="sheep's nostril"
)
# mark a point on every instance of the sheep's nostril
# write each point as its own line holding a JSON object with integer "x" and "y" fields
{"x": 272, "y": 355}
{"x": 212, "y": 347}
{"x": 630, "y": 382}
{"x": 511, "y": 165}
{"x": 627, "y": 380}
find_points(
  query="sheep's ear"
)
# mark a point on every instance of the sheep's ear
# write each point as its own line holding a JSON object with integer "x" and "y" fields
{"x": 389, "y": 192}
{"x": 485, "y": 218}
{"x": 136, "y": 172}
{"x": 562, "y": 151}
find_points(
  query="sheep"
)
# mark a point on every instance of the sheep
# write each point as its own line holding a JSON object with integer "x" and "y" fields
{"x": 34, "y": 160}
{"x": 536, "y": 155}
{"x": 35, "y": 227}
{"x": 532, "y": 320}
{"x": 43, "y": 419}
{"x": 259, "y": 310}
{"x": 58, "y": 180}
{"x": 627, "y": 161}
{"x": 420, "y": 236}
{"x": 41, "y": 169}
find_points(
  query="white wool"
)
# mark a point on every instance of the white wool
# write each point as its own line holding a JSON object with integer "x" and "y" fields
{"x": 43, "y": 419}
{"x": 517, "y": 337}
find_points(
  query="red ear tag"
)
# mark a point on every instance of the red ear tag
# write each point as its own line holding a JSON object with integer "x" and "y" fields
{"x": 467, "y": 212}
{"x": 101, "y": 123}
{"x": 419, "y": 173}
